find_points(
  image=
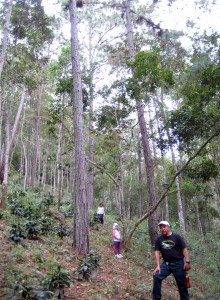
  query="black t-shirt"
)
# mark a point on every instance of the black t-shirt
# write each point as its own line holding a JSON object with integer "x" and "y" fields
{"x": 171, "y": 247}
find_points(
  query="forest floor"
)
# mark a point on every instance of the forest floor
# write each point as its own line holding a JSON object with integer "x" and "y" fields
{"x": 114, "y": 279}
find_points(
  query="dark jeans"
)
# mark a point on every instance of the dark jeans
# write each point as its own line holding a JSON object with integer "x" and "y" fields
{"x": 101, "y": 218}
{"x": 117, "y": 247}
{"x": 179, "y": 274}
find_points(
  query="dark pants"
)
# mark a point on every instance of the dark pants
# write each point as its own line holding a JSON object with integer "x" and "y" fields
{"x": 179, "y": 274}
{"x": 117, "y": 247}
{"x": 101, "y": 218}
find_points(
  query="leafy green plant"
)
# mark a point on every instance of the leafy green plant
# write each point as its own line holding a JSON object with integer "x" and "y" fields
{"x": 32, "y": 229}
{"x": 68, "y": 211}
{"x": 48, "y": 200}
{"x": 62, "y": 231}
{"x": 16, "y": 207}
{"x": 16, "y": 234}
{"x": 30, "y": 292}
{"x": 87, "y": 266}
{"x": 45, "y": 225}
{"x": 31, "y": 211}
{"x": 58, "y": 277}
{"x": 94, "y": 220}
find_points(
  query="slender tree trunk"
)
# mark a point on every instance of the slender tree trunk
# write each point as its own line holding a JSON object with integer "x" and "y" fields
{"x": 44, "y": 169}
{"x": 130, "y": 187}
{"x": 17, "y": 118}
{"x": 24, "y": 165}
{"x": 121, "y": 189}
{"x": 5, "y": 36}
{"x": 165, "y": 208}
{"x": 140, "y": 183}
{"x": 216, "y": 157}
{"x": 81, "y": 226}
{"x": 167, "y": 214}
{"x": 177, "y": 180}
{"x": 71, "y": 173}
{"x": 178, "y": 196}
{"x": 6, "y": 164}
{"x": 198, "y": 221}
{"x": 29, "y": 157}
{"x": 90, "y": 188}
{"x": 152, "y": 223}
{"x": 37, "y": 138}
{"x": 59, "y": 165}
{"x": 9, "y": 140}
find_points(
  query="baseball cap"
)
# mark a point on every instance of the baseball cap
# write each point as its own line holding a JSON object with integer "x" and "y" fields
{"x": 164, "y": 223}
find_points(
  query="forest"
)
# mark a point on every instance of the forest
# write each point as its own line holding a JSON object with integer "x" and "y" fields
{"x": 100, "y": 102}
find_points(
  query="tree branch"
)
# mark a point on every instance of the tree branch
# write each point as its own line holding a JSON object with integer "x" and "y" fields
{"x": 146, "y": 215}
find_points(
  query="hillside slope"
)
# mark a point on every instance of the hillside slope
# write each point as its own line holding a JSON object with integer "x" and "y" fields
{"x": 115, "y": 278}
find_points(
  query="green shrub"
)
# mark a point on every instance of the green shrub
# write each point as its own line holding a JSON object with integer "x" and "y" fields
{"x": 32, "y": 229}
{"x": 94, "y": 220}
{"x": 87, "y": 266}
{"x": 16, "y": 234}
{"x": 62, "y": 231}
{"x": 46, "y": 225}
{"x": 30, "y": 292}
{"x": 57, "y": 277}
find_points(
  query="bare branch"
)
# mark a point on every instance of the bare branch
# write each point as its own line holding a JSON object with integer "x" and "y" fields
{"x": 152, "y": 209}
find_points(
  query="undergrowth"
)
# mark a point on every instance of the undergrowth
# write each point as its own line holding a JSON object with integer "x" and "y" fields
{"x": 29, "y": 266}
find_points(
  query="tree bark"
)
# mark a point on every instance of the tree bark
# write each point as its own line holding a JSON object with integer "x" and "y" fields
{"x": 81, "y": 226}
{"x": 37, "y": 138}
{"x": 59, "y": 165}
{"x": 140, "y": 182}
{"x": 152, "y": 224}
{"x": 165, "y": 191}
{"x": 5, "y": 36}
{"x": 90, "y": 188}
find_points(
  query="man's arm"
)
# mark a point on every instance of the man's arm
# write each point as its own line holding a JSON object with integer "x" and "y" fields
{"x": 187, "y": 265}
{"x": 157, "y": 258}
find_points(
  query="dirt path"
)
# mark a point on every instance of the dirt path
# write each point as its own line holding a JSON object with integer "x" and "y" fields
{"x": 117, "y": 279}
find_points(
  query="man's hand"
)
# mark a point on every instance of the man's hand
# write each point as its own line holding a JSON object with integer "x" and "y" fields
{"x": 157, "y": 269}
{"x": 187, "y": 266}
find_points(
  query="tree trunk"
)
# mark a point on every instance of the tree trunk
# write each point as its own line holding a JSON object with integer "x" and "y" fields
{"x": 121, "y": 189}
{"x": 37, "y": 139}
{"x": 198, "y": 221}
{"x": 59, "y": 165}
{"x": 165, "y": 208}
{"x": 177, "y": 182}
{"x": 169, "y": 185}
{"x": 29, "y": 157}
{"x": 140, "y": 182}
{"x": 152, "y": 224}
{"x": 178, "y": 196}
{"x": 6, "y": 164}
{"x": 5, "y": 36}
{"x": 130, "y": 186}
{"x": 90, "y": 188}
{"x": 9, "y": 140}
{"x": 81, "y": 226}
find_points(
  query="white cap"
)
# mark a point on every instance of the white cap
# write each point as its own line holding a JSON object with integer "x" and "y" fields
{"x": 164, "y": 223}
{"x": 115, "y": 224}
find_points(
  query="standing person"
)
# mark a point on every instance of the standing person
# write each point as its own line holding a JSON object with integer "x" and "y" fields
{"x": 117, "y": 240}
{"x": 173, "y": 249}
{"x": 101, "y": 213}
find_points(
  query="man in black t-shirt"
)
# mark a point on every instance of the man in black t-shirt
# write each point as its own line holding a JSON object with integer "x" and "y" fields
{"x": 173, "y": 249}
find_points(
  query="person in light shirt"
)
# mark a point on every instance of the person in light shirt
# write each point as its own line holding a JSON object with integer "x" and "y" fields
{"x": 117, "y": 240}
{"x": 101, "y": 213}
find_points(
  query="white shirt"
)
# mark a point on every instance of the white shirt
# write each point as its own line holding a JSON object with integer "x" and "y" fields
{"x": 100, "y": 211}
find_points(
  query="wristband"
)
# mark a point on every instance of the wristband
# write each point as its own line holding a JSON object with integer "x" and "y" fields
{"x": 187, "y": 262}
